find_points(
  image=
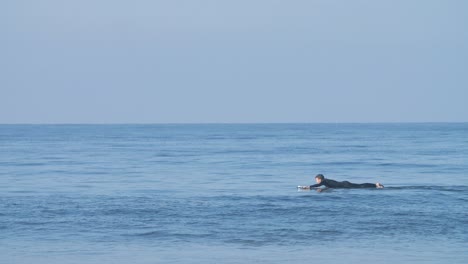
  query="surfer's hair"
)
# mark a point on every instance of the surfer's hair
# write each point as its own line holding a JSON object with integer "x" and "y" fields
{"x": 320, "y": 176}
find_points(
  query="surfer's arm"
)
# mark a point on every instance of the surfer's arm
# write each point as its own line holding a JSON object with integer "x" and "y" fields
{"x": 308, "y": 187}
{"x": 322, "y": 189}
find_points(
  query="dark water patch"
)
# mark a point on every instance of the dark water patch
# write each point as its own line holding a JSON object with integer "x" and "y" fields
{"x": 246, "y": 242}
{"x": 340, "y": 163}
{"x": 407, "y": 165}
{"x": 23, "y": 192}
{"x": 152, "y": 234}
{"x": 33, "y": 223}
{"x": 26, "y": 164}
{"x": 165, "y": 236}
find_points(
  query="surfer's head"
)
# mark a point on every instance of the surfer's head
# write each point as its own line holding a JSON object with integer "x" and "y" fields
{"x": 319, "y": 178}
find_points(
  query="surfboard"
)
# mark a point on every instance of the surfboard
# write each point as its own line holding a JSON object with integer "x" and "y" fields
{"x": 307, "y": 188}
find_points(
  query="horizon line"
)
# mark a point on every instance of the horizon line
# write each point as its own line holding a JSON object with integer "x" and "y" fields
{"x": 236, "y": 123}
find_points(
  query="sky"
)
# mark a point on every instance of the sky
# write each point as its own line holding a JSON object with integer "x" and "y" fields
{"x": 243, "y": 61}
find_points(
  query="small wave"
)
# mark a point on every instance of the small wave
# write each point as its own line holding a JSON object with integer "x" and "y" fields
{"x": 170, "y": 235}
{"x": 151, "y": 234}
{"x": 456, "y": 188}
{"x": 33, "y": 223}
{"x": 246, "y": 242}
{"x": 407, "y": 165}
{"x": 24, "y": 164}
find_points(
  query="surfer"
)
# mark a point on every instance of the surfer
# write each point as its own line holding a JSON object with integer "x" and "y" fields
{"x": 321, "y": 181}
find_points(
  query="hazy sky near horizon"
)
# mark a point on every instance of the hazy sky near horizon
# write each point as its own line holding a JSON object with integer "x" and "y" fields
{"x": 144, "y": 61}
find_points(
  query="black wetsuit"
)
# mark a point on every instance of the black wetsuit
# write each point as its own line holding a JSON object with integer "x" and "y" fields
{"x": 344, "y": 184}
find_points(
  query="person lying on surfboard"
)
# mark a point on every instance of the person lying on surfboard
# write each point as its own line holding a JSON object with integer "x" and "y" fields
{"x": 321, "y": 181}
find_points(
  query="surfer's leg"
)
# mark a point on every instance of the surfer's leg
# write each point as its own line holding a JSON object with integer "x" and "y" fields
{"x": 369, "y": 185}
{"x": 348, "y": 185}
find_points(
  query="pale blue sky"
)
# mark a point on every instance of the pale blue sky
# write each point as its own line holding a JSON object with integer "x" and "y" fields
{"x": 149, "y": 61}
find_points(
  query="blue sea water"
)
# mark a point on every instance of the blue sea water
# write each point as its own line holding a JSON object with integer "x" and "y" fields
{"x": 226, "y": 193}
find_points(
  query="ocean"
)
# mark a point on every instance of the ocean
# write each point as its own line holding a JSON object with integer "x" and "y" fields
{"x": 226, "y": 193}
